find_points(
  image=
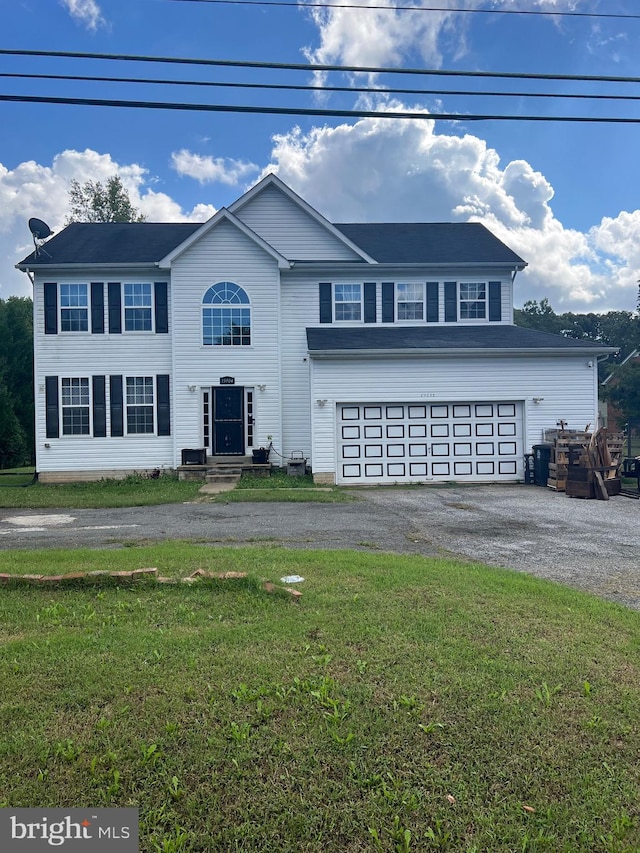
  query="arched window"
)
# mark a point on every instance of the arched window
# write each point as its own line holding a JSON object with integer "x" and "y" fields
{"x": 226, "y": 316}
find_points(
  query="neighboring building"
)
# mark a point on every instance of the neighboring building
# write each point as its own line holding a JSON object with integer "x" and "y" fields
{"x": 382, "y": 353}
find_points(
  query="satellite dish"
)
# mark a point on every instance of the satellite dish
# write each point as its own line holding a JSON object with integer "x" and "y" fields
{"x": 40, "y": 231}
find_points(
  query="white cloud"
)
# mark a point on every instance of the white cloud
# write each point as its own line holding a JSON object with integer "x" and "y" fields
{"x": 386, "y": 37}
{"x": 385, "y": 170}
{"x": 86, "y": 12}
{"x": 208, "y": 170}
{"x": 33, "y": 189}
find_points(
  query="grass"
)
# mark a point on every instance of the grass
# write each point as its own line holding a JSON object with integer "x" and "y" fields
{"x": 282, "y": 487}
{"x": 405, "y": 704}
{"x": 142, "y": 491}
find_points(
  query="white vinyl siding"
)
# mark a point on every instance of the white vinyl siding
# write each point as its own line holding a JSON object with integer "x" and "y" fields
{"x": 225, "y": 254}
{"x": 99, "y": 355}
{"x": 290, "y": 230}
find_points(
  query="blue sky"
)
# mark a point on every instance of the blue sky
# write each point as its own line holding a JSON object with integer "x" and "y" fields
{"x": 564, "y": 196}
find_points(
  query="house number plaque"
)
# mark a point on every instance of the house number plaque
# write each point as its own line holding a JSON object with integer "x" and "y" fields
{"x": 227, "y": 380}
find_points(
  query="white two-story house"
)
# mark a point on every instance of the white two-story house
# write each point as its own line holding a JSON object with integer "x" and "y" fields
{"x": 381, "y": 353}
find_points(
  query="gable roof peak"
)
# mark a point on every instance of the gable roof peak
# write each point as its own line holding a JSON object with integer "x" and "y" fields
{"x": 272, "y": 180}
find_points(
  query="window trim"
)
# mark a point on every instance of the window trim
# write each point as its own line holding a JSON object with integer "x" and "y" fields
{"x": 150, "y": 307}
{"x": 359, "y": 302}
{"x": 396, "y": 302}
{"x": 241, "y": 304}
{"x": 61, "y": 309}
{"x": 485, "y": 299}
{"x": 88, "y": 405}
{"x": 149, "y": 383}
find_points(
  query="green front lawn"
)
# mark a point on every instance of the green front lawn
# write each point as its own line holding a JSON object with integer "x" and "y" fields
{"x": 20, "y": 492}
{"x": 404, "y": 704}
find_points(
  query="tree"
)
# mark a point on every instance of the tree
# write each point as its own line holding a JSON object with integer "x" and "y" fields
{"x": 623, "y": 391}
{"x": 96, "y": 202}
{"x": 16, "y": 381}
{"x": 539, "y": 316}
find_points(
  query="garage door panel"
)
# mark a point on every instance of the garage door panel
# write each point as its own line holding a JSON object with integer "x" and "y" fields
{"x": 460, "y": 441}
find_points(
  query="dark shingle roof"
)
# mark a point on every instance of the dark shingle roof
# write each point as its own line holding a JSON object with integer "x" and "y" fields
{"x": 429, "y": 243}
{"x": 392, "y": 243}
{"x": 112, "y": 243}
{"x": 485, "y": 337}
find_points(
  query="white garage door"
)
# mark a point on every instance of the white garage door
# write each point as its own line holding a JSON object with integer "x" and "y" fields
{"x": 418, "y": 442}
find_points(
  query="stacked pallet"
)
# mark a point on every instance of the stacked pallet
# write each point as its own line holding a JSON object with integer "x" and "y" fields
{"x": 583, "y": 463}
{"x": 563, "y": 442}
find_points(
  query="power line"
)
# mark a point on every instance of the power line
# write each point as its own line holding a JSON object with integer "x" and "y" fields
{"x": 309, "y": 111}
{"x": 395, "y": 8}
{"x": 370, "y": 90}
{"x": 292, "y": 66}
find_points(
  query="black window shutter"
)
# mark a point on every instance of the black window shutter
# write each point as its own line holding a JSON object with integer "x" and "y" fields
{"x": 115, "y": 307}
{"x": 50, "y": 308}
{"x": 495, "y": 301}
{"x": 163, "y": 408}
{"x": 326, "y": 308}
{"x": 161, "y": 307}
{"x": 388, "y": 299}
{"x": 99, "y": 407}
{"x": 52, "y": 418}
{"x": 370, "y": 302}
{"x": 97, "y": 307}
{"x": 433, "y": 307}
{"x": 450, "y": 301}
{"x": 117, "y": 422}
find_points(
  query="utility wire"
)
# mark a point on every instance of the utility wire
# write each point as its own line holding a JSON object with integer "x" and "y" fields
{"x": 395, "y": 8}
{"x": 369, "y": 90}
{"x": 286, "y": 66}
{"x": 308, "y": 111}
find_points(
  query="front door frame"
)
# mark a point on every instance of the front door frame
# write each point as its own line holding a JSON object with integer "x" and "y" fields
{"x": 228, "y": 420}
{"x": 209, "y": 420}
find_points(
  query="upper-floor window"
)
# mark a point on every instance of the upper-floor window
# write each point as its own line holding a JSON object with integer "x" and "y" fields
{"x": 226, "y": 316}
{"x": 138, "y": 308}
{"x": 75, "y": 406}
{"x": 347, "y": 302}
{"x": 139, "y": 404}
{"x": 473, "y": 300}
{"x": 410, "y": 301}
{"x": 74, "y": 308}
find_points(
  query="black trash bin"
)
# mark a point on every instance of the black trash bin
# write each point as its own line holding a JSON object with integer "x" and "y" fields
{"x": 541, "y": 459}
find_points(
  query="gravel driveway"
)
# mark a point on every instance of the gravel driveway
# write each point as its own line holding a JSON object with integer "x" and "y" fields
{"x": 588, "y": 544}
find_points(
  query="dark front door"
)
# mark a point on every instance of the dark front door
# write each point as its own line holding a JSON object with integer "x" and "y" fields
{"x": 228, "y": 421}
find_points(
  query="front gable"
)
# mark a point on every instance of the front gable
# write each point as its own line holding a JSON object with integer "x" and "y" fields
{"x": 222, "y": 216}
{"x": 292, "y": 226}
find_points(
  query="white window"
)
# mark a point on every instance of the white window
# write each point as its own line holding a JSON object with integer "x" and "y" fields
{"x": 347, "y": 302}
{"x": 473, "y": 300}
{"x": 74, "y": 308}
{"x": 410, "y": 301}
{"x": 226, "y": 316}
{"x": 137, "y": 308}
{"x": 75, "y": 406}
{"x": 139, "y": 404}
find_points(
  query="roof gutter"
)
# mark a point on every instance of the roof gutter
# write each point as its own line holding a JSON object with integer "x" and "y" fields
{"x": 461, "y": 352}
{"x": 119, "y": 266}
{"x": 349, "y": 265}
